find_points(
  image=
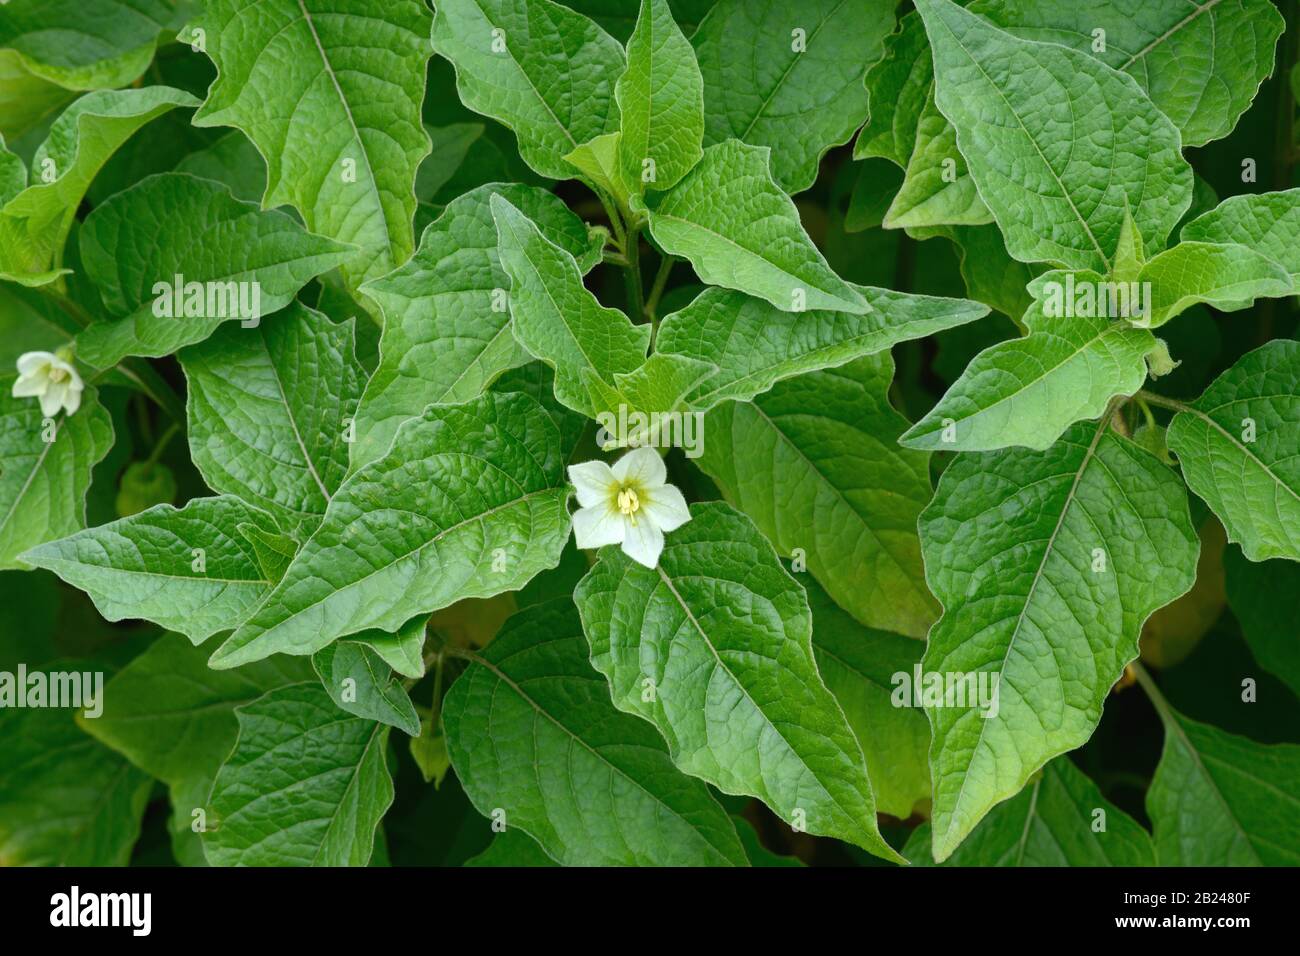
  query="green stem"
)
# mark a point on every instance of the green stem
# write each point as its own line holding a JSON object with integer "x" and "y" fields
{"x": 615, "y": 221}
{"x": 159, "y": 448}
{"x": 1153, "y": 692}
{"x": 1146, "y": 411}
{"x": 632, "y": 276}
{"x": 656, "y": 293}
{"x": 1171, "y": 403}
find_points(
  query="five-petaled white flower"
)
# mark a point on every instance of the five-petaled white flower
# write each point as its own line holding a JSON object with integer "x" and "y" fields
{"x": 630, "y": 504}
{"x": 52, "y": 379}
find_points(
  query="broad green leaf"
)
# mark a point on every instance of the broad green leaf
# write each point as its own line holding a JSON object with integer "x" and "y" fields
{"x": 13, "y": 174}
{"x": 740, "y": 231}
{"x": 232, "y": 160}
{"x": 990, "y": 274}
{"x": 555, "y": 317}
{"x": 1268, "y": 223}
{"x": 545, "y": 71}
{"x": 536, "y": 380}
{"x": 274, "y": 550}
{"x": 402, "y": 650}
{"x": 330, "y": 93}
{"x": 174, "y": 717}
{"x": 187, "y": 569}
{"x": 1058, "y": 143}
{"x": 1222, "y": 800}
{"x": 269, "y": 409}
{"x": 43, "y": 483}
{"x": 859, "y": 665}
{"x": 1265, "y": 597}
{"x": 937, "y": 188}
{"x": 714, "y": 648}
{"x": 1047, "y": 564}
{"x": 1239, "y": 447}
{"x": 35, "y": 223}
{"x": 619, "y": 16}
{"x": 661, "y": 384}
{"x": 26, "y": 101}
{"x": 756, "y": 345}
{"x": 446, "y": 323}
{"x": 789, "y": 76}
{"x": 512, "y": 848}
{"x": 292, "y": 741}
{"x": 599, "y": 161}
{"x": 1059, "y": 819}
{"x": 1200, "y": 63}
{"x": 359, "y": 682}
{"x": 65, "y": 799}
{"x": 815, "y": 463}
{"x": 1028, "y": 391}
{"x": 532, "y": 732}
{"x": 85, "y": 44}
{"x": 469, "y": 502}
{"x": 1227, "y": 277}
{"x": 246, "y": 262}
{"x": 661, "y": 102}
{"x": 898, "y": 88}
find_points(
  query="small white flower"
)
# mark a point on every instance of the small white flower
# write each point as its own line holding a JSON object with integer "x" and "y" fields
{"x": 52, "y": 379}
{"x": 630, "y": 504}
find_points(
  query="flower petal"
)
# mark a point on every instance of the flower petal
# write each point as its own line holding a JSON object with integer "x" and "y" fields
{"x": 28, "y": 385}
{"x": 29, "y": 362}
{"x": 598, "y": 526}
{"x": 666, "y": 508}
{"x": 594, "y": 481}
{"x": 72, "y": 401}
{"x": 52, "y": 399}
{"x": 641, "y": 466}
{"x": 644, "y": 543}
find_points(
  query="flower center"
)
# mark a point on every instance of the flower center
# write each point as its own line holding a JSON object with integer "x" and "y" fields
{"x": 628, "y": 502}
{"x": 57, "y": 374}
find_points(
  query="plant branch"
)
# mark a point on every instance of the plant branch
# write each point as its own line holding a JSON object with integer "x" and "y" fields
{"x": 1159, "y": 400}
{"x": 632, "y": 276}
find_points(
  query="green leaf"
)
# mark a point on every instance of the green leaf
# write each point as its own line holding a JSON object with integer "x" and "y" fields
{"x": 859, "y": 665}
{"x": 756, "y": 345}
{"x": 798, "y": 92}
{"x": 187, "y": 569}
{"x": 43, "y": 484}
{"x": 1058, "y": 143}
{"x": 1047, "y": 564}
{"x": 26, "y": 101}
{"x": 136, "y": 244}
{"x": 660, "y": 384}
{"x": 292, "y": 741}
{"x": 232, "y": 160}
{"x": 661, "y": 102}
{"x": 714, "y": 648}
{"x": 937, "y": 188}
{"x": 740, "y": 231}
{"x": 1239, "y": 447}
{"x": 373, "y": 692}
{"x": 598, "y": 160}
{"x": 898, "y": 87}
{"x": 1201, "y": 63}
{"x": 446, "y": 333}
{"x": 512, "y": 848}
{"x": 1054, "y": 821}
{"x": 1228, "y": 277}
{"x": 815, "y": 463}
{"x": 1222, "y": 800}
{"x": 469, "y": 502}
{"x": 1265, "y": 597}
{"x": 35, "y": 223}
{"x": 86, "y": 44}
{"x": 555, "y": 317}
{"x": 330, "y": 93}
{"x": 1028, "y": 391}
{"x": 268, "y": 412}
{"x": 600, "y": 788}
{"x": 1268, "y": 223}
{"x": 543, "y": 70}
{"x": 402, "y": 650}
{"x": 65, "y": 799}
{"x": 174, "y": 717}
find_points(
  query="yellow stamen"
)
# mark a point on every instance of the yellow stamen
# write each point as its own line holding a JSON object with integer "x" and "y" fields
{"x": 57, "y": 374}
{"x": 629, "y": 503}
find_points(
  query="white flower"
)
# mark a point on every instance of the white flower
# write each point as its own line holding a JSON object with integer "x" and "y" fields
{"x": 51, "y": 378}
{"x": 629, "y": 504}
